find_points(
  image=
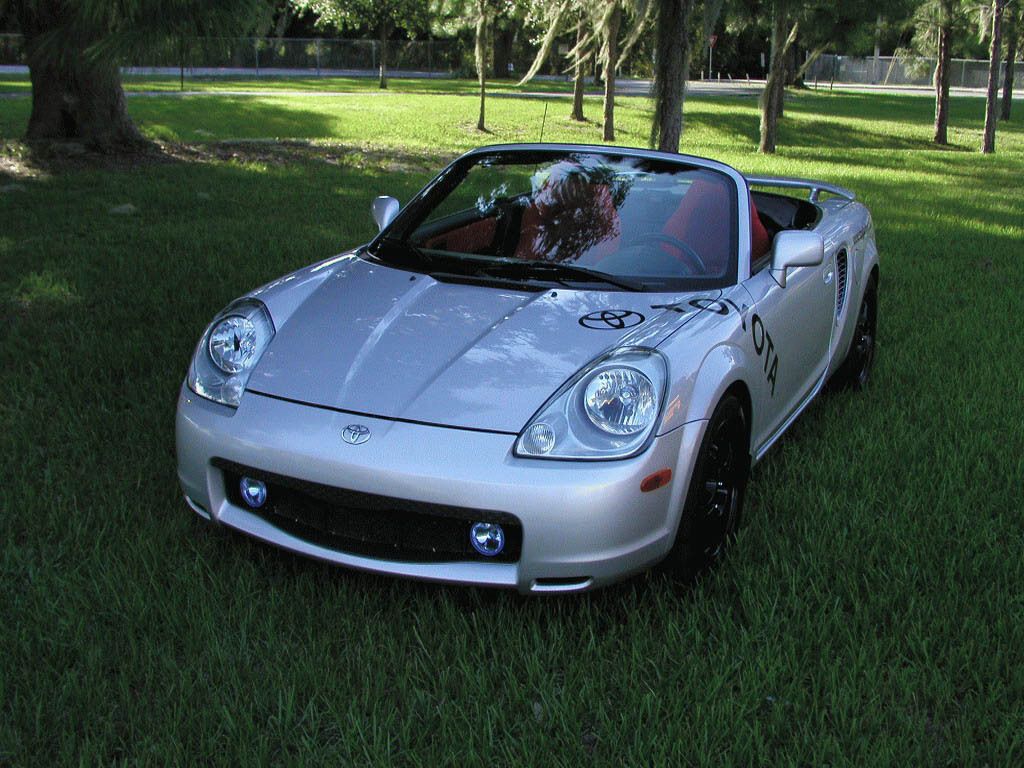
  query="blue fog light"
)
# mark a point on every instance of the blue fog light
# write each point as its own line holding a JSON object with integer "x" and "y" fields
{"x": 487, "y": 538}
{"x": 254, "y": 492}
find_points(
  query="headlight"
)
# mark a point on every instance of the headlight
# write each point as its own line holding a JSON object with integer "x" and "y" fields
{"x": 609, "y": 410}
{"x": 621, "y": 401}
{"x": 229, "y": 350}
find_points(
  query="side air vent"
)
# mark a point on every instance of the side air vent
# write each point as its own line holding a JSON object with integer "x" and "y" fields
{"x": 841, "y": 281}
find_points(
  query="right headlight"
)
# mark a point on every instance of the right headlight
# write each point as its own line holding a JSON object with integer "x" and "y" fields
{"x": 229, "y": 350}
{"x": 609, "y": 410}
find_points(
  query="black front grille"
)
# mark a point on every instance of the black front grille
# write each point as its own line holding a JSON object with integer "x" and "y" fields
{"x": 370, "y": 524}
{"x": 841, "y": 270}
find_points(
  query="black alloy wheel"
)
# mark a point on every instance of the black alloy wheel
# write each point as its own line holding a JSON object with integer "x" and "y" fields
{"x": 711, "y": 512}
{"x": 855, "y": 372}
{"x": 864, "y": 339}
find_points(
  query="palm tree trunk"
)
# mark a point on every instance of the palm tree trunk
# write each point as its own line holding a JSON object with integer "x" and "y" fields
{"x": 1012, "y": 33}
{"x": 988, "y": 142}
{"x": 577, "y": 85}
{"x": 774, "y": 88}
{"x": 384, "y": 34}
{"x": 671, "y": 65}
{"x": 73, "y": 97}
{"x": 942, "y": 82}
{"x": 611, "y": 50}
{"x": 481, "y": 59}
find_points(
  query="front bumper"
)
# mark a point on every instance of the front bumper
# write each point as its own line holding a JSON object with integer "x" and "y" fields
{"x": 584, "y": 524}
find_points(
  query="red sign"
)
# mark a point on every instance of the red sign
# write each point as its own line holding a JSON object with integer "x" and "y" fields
{"x": 714, "y": 39}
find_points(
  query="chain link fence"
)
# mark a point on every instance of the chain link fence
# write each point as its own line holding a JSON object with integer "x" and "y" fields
{"x": 299, "y": 56}
{"x": 898, "y": 70}
{"x": 210, "y": 57}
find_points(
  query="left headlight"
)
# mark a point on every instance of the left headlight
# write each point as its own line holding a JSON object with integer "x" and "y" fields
{"x": 229, "y": 350}
{"x": 609, "y": 410}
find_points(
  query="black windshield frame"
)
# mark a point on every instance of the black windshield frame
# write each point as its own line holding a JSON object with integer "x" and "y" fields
{"x": 392, "y": 246}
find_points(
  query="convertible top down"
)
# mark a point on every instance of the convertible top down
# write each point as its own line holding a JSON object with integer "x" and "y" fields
{"x": 551, "y": 369}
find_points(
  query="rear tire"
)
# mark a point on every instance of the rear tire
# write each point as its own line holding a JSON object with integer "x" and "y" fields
{"x": 714, "y": 500}
{"x": 855, "y": 371}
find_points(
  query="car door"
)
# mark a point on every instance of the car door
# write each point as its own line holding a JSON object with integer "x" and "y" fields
{"x": 789, "y": 330}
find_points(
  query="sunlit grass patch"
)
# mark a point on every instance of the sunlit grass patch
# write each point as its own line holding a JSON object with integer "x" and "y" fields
{"x": 39, "y": 289}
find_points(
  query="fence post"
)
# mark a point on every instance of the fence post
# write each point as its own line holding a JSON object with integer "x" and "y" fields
{"x": 318, "y": 57}
{"x": 963, "y": 73}
{"x": 256, "y": 50}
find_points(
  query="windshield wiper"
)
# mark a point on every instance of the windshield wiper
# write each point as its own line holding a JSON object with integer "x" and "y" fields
{"x": 564, "y": 272}
{"x": 407, "y": 249}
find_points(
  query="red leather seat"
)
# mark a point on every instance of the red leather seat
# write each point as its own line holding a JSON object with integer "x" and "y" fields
{"x": 469, "y": 238}
{"x": 760, "y": 240}
{"x": 702, "y": 221}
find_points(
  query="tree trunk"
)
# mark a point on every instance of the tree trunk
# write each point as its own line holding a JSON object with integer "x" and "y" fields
{"x": 988, "y": 142}
{"x": 481, "y": 59}
{"x": 384, "y": 34}
{"x": 774, "y": 88}
{"x": 942, "y": 82}
{"x": 611, "y": 50}
{"x": 876, "y": 66}
{"x": 577, "y": 85}
{"x": 1012, "y": 33}
{"x": 73, "y": 98}
{"x": 780, "y": 95}
{"x": 769, "y": 109}
{"x": 501, "y": 52}
{"x": 671, "y": 66}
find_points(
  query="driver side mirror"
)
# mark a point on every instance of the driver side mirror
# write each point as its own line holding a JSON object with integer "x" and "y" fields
{"x": 795, "y": 249}
{"x": 384, "y": 210}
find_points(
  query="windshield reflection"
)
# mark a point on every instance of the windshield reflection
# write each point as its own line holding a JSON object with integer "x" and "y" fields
{"x": 666, "y": 225}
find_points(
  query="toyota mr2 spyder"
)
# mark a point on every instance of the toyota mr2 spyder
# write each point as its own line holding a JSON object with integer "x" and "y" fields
{"x": 552, "y": 368}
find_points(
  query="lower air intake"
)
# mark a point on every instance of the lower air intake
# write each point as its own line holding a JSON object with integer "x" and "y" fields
{"x": 369, "y": 524}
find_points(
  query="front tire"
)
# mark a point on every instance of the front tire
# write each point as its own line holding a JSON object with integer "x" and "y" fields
{"x": 714, "y": 500}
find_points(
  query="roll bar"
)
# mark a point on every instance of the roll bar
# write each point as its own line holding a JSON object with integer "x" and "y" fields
{"x": 815, "y": 188}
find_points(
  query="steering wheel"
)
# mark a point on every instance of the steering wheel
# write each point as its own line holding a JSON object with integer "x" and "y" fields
{"x": 689, "y": 255}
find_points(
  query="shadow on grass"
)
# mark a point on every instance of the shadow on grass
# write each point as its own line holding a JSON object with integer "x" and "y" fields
{"x": 844, "y": 120}
{"x": 229, "y": 117}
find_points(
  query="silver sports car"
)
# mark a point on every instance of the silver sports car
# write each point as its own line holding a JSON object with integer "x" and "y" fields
{"x": 553, "y": 368}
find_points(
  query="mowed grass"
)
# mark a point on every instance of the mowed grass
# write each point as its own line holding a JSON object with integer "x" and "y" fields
{"x": 871, "y": 612}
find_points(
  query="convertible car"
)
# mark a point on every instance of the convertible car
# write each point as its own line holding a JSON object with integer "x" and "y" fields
{"x": 553, "y": 368}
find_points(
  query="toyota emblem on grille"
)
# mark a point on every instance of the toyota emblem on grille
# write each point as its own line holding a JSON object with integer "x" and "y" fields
{"x": 355, "y": 434}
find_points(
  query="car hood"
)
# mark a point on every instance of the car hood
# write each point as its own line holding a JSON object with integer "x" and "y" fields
{"x": 384, "y": 342}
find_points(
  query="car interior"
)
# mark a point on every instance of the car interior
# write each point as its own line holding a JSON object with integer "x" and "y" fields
{"x": 578, "y": 221}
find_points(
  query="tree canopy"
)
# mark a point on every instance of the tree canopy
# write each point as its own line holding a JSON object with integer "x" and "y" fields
{"x": 380, "y": 16}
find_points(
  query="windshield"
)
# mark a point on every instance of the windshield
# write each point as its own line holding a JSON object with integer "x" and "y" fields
{"x": 644, "y": 224}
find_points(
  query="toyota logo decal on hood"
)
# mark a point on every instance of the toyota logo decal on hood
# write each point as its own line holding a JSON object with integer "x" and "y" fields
{"x": 611, "y": 319}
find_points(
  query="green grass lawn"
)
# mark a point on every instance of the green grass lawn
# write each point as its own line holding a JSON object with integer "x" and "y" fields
{"x": 872, "y": 611}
